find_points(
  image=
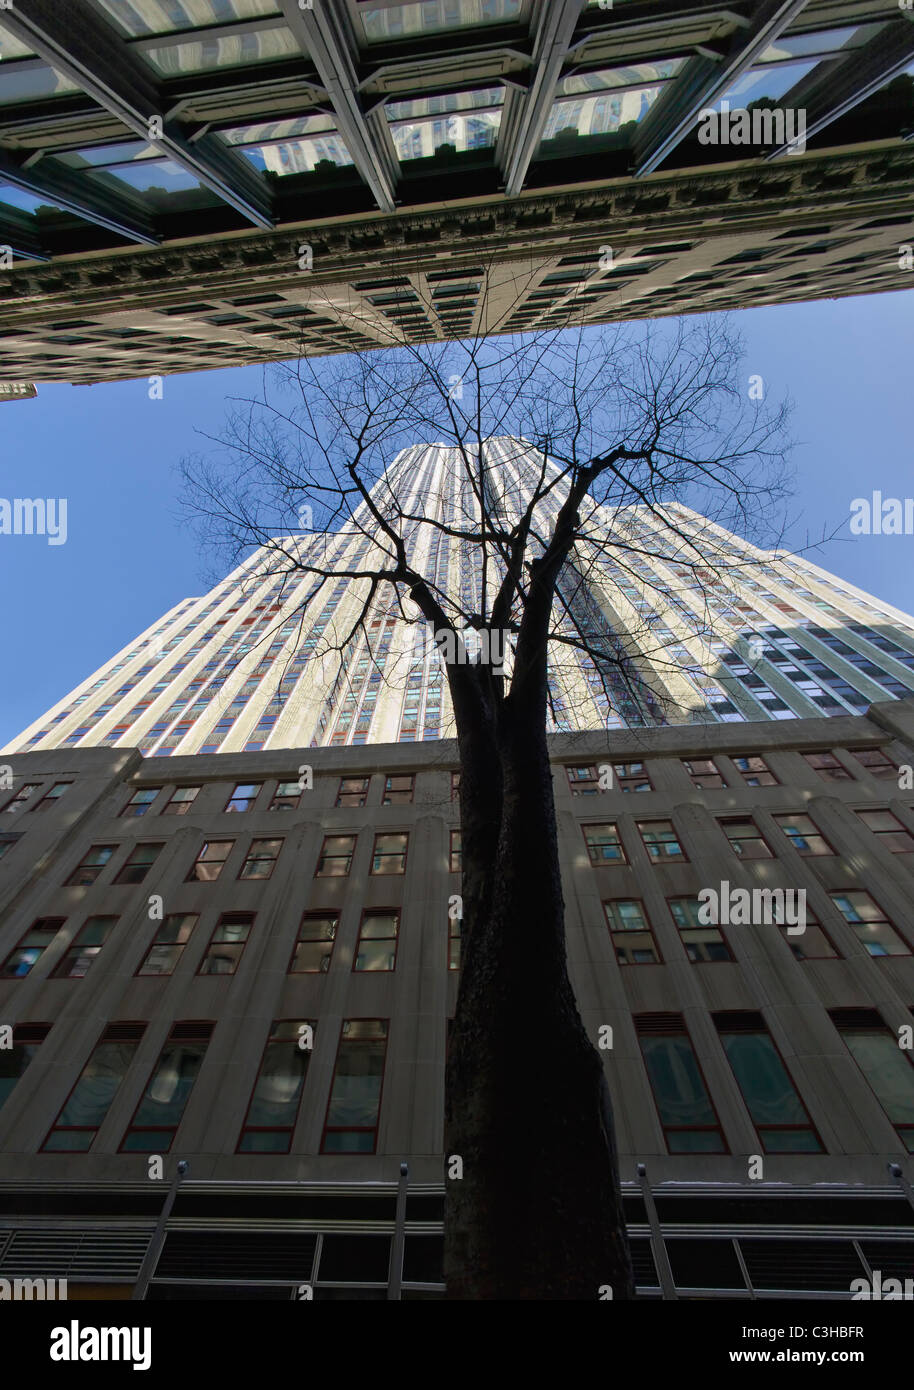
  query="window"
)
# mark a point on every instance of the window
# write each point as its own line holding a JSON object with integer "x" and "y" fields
{"x": 7, "y": 842}
{"x": 273, "y": 1109}
{"x": 314, "y": 947}
{"x": 813, "y": 943}
{"x": 90, "y": 1100}
{"x": 261, "y": 859}
{"x": 168, "y": 944}
{"x": 745, "y": 838}
{"x": 888, "y": 830}
{"x": 455, "y": 786}
{"x": 689, "y": 1121}
{"x": 180, "y": 802}
{"x": 703, "y": 772}
{"x": 210, "y": 861}
{"x": 583, "y": 780}
{"x": 335, "y": 858}
{"x": 351, "y": 1124}
{"x": 398, "y": 791}
{"x": 603, "y": 844}
{"x": 226, "y": 944}
{"x": 243, "y": 797}
{"x": 156, "y": 1118}
{"x": 377, "y": 944}
{"x": 90, "y": 868}
{"x": 31, "y": 948}
{"x": 453, "y": 942}
{"x": 631, "y": 777}
{"x": 660, "y": 840}
{"x": 14, "y": 1061}
{"x": 455, "y": 864}
{"x": 872, "y": 926}
{"x": 286, "y": 797}
{"x": 779, "y": 1115}
{"x": 141, "y": 801}
{"x": 139, "y": 862}
{"x": 631, "y": 932}
{"x": 877, "y": 762}
{"x": 754, "y": 770}
{"x": 828, "y": 767}
{"x": 353, "y": 791}
{"x": 52, "y": 796}
{"x": 703, "y": 943}
{"x": 85, "y": 946}
{"x": 17, "y": 802}
{"x": 803, "y": 834}
{"x": 885, "y": 1065}
{"x": 389, "y": 853}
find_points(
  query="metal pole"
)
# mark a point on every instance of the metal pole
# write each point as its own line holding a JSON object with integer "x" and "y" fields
{"x": 154, "y": 1249}
{"x": 661, "y": 1258}
{"x": 396, "y": 1254}
{"x": 902, "y": 1181}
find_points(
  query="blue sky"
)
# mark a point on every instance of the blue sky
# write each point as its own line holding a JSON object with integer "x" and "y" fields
{"x": 112, "y": 452}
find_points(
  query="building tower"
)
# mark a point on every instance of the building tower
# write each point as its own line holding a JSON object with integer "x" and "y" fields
{"x": 260, "y": 662}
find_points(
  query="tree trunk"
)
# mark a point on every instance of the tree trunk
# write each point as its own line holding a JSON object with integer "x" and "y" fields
{"x": 537, "y": 1213}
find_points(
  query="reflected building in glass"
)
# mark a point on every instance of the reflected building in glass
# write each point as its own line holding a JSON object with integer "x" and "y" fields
{"x": 163, "y": 164}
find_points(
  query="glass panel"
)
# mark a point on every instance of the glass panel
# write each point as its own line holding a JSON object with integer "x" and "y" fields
{"x": 676, "y": 1082}
{"x": 13, "y": 1062}
{"x": 767, "y": 1088}
{"x": 376, "y": 955}
{"x": 231, "y": 50}
{"x": 423, "y": 139}
{"x": 121, "y": 153}
{"x": 444, "y": 104}
{"x": 634, "y": 948}
{"x": 697, "y": 1142}
{"x": 299, "y": 156}
{"x": 18, "y": 198}
{"x": 598, "y": 115}
{"x": 148, "y": 1141}
{"x": 761, "y": 82}
{"x": 11, "y": 47}
{"x": 279, "y": 1085}
{"x": 826, "y": 41}
{"x": 95, "y": 1089}
{"x": 139, "y": 17}
{"x": 265, "y": 131}
{"x": 31, "y": 83}
{"x": 357, "y": 1084}
{"x": 640, "y": 75}
{"x": 387, "y": 22}
{"x": 166, "y": 186}
{"x": 887, "y": 1070}
{"x": 166, "y": 1094}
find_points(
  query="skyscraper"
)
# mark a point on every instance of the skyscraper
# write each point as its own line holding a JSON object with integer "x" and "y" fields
{"x": 270, "y": 657}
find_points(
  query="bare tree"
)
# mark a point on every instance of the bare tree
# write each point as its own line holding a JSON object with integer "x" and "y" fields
{"x": 591, "y": 424}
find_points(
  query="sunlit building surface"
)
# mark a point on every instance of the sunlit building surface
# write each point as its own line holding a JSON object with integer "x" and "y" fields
{"x": 214, "y": 182}
{"x": 269, "y": 658}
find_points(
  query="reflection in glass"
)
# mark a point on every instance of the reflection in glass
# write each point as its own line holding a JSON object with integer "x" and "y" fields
{"x": 772, "y": 82}
{"x": 440, "y": 105}
{"x": 141, "y": 17}
{"x": 385, "y": 21}
{"x": 24, "y": 202}
{"x": 299, "y": 156}
{"x": 227, "y": 51}
{"x": 422, "y": 139}
{"x": 24, "y": 82}
{"x": 639, "y": 75}
{"x": 599, "y": 115}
